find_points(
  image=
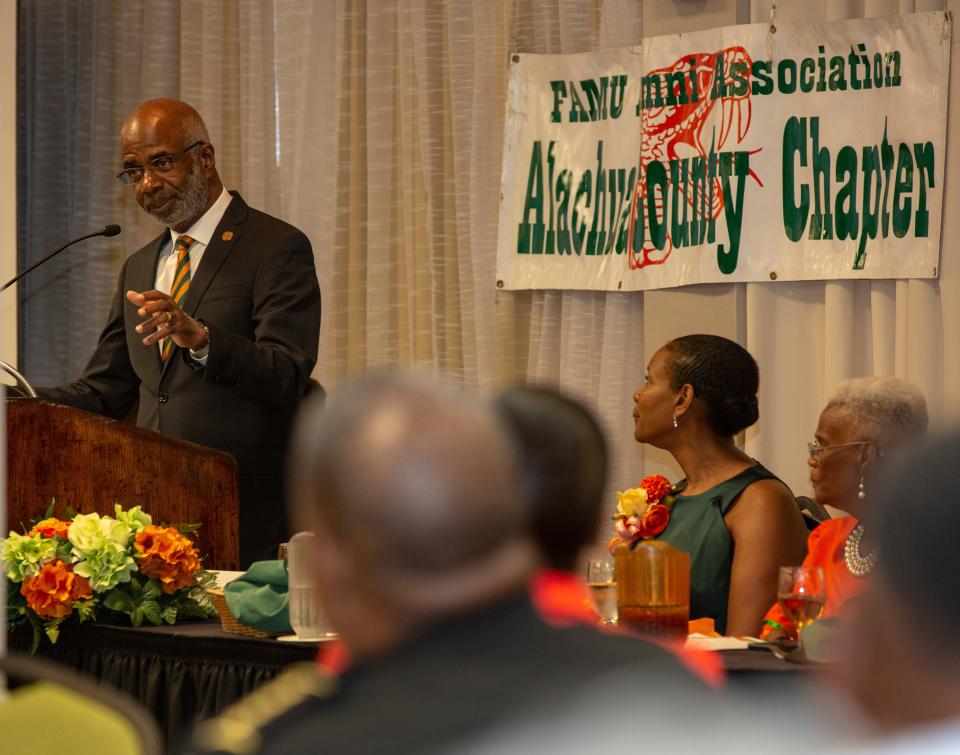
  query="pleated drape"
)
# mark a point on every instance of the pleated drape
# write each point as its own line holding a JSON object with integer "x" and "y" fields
{"x": 378, "y": 128}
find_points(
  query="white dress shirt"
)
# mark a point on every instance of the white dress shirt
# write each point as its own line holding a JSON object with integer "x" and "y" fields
{"x": 201, "y": 232}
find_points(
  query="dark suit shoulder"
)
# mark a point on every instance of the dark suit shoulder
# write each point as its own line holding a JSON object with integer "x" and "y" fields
{"x": 239, "y": 212}
{"x": 239, "y": 729}
{"x": 261, "y": 217}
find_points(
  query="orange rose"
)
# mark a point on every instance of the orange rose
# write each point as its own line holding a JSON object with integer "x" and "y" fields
{"x": 50, "y": 592}
{"x": 654, "y": 521}
{"x": 52, "y": 527}
{"x": 657, "y": 487}
{"x": 167, "y": 556}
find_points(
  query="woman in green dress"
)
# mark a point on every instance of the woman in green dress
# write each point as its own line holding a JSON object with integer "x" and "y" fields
{"x": 738, "y": 522}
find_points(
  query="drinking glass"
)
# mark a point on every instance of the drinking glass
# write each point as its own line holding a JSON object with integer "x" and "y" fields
{"x": 603, "y": 589}
{"x": 802, "y": 594}
{"x": 306, "y": 610}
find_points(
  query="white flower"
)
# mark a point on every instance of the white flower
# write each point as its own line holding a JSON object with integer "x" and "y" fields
{"x": 91, "y": 532}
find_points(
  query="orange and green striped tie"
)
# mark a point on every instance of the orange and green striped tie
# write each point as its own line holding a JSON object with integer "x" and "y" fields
{"x": 181, "y": 282}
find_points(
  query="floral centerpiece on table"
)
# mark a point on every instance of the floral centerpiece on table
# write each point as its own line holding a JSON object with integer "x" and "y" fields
{"x": 643, "y": 512}
{"x": 115, "y": 569}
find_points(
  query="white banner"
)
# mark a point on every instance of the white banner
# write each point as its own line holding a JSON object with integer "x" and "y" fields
{"x": 748, "y": 153}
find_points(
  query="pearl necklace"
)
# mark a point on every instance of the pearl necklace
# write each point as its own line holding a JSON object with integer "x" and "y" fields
{"x": 858, "y": 564}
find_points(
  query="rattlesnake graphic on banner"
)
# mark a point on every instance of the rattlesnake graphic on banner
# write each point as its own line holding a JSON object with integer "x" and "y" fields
{"x": 667, "y": 127}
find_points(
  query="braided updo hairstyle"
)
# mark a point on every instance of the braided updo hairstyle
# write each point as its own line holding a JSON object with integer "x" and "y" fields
{"x": 723, "y": 375}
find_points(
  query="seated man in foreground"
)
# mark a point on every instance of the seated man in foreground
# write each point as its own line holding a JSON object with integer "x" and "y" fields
{"x": 422, "y": 562}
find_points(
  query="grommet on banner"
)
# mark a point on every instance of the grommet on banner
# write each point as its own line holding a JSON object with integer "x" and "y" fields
{"x": 499, "y": 284}
{"x": 773, "y": 276}
{"x": 773, "y": 18}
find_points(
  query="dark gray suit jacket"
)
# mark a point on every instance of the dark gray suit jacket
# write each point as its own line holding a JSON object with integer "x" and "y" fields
{"x": 256, "y": 290}
{"x": 463, "y": 678}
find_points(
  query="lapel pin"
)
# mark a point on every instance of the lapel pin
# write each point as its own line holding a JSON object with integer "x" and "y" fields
{"x": 227, "y": 235}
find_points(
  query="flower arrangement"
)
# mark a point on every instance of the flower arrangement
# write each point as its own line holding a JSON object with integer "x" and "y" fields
{"x": 643, "y": 512}
{"x": 104, "y": 569}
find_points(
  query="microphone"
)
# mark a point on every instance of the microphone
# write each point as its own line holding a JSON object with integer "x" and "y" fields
{"x": 107, "y": 230}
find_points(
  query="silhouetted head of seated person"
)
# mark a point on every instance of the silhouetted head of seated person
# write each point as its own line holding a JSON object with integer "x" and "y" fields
{"x": 866, "y": 421}
{"x": 411, "y": 489}
{"x": 902, "y": 664}
{"x": 737, "y": 521}
{"x": 563, "y": 462}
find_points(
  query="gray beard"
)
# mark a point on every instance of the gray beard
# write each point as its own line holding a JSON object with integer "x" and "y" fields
{"x": 189, "y": 205}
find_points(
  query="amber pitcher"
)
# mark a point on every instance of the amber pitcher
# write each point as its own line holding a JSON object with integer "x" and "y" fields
{"x": 653, "y": 588}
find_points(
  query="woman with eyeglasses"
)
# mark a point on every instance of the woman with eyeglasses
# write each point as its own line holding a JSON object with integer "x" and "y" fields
{"x": 866, "y": 419}
{"x": 738, "y": 522}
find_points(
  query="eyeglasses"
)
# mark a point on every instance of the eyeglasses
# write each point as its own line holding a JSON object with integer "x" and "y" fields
{"x": 816, "y": 448}
{"x": 161, "y": 165}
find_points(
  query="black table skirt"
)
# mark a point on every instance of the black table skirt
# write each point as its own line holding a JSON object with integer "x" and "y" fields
{"x": 182, "y": 674}
{"x": 194, "y": 670}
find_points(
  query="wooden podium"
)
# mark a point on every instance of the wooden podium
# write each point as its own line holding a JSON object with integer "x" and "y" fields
{"x": 90, "y": 463}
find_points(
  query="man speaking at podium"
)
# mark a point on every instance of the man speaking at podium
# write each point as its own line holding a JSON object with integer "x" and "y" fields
{"x": 215, "y": 324}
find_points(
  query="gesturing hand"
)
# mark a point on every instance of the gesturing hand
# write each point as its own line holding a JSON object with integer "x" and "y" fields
{"x": 162, "y": 318}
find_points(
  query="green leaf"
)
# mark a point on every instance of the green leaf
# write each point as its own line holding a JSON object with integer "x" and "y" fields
{"x": 119, "y": 601}
{"x": 135, "y": 587}
{"x": 64, "y": 550}
{"x": 35, "y": 645}
{"x": 86, "y": 609}
{"x": 152, "y": 589}
{"x": 169, "y": 614}
{"x": 185, "y": 529}
{"x": 136, "y": 616}
{"x": 205, "y": 579}
{"x": 195, "y": 609}
{"x": 151, "y": 611}
{"x": 53, "y": 631}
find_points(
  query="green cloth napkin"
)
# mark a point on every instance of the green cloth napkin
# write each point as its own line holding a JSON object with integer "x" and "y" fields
{"x": 259, "y": 598}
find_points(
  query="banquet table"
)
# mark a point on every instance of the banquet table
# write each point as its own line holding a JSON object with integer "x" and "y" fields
{"x": 183, "y": 673}
{"x": 193, "y": 670}
{"x": 744, "y": 665}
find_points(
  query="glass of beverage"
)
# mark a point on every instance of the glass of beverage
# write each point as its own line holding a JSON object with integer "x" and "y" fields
{"x": 802, "y": 594}
{"x": 603, "y": 589}
{"x": 306, "y": 610}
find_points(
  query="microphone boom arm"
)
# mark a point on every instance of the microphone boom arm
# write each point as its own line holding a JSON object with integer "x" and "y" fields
{"x": 19, "y": 378}
{"x": 110, "y": 230}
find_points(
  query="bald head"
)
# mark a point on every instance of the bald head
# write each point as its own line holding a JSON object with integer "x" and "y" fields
{"x": 417, "y": 474}
{"x": 169, "y": 140}
{"x": 414, "y": 485}
{"x": 183, "y": 118}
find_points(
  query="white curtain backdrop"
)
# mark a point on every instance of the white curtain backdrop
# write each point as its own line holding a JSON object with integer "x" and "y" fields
{"x": 377, "y": 128}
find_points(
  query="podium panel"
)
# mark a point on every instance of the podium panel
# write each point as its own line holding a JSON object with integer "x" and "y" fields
{"x": 90, "y": 463}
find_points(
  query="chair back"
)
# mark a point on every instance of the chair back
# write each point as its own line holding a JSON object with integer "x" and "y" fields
{"x": 88, "y": 714}
{"x": 813, "y": 513}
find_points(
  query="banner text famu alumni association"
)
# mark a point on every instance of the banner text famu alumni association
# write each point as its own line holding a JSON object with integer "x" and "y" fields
{"x": 806, "y": 153}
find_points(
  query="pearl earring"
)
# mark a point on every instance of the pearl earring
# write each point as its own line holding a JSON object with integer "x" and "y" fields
{"x": 860, "y": 493}
{"x": 676, "y": 425}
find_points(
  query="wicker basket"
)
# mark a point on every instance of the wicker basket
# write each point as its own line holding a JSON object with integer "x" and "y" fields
{"x": 228, "y": 620}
